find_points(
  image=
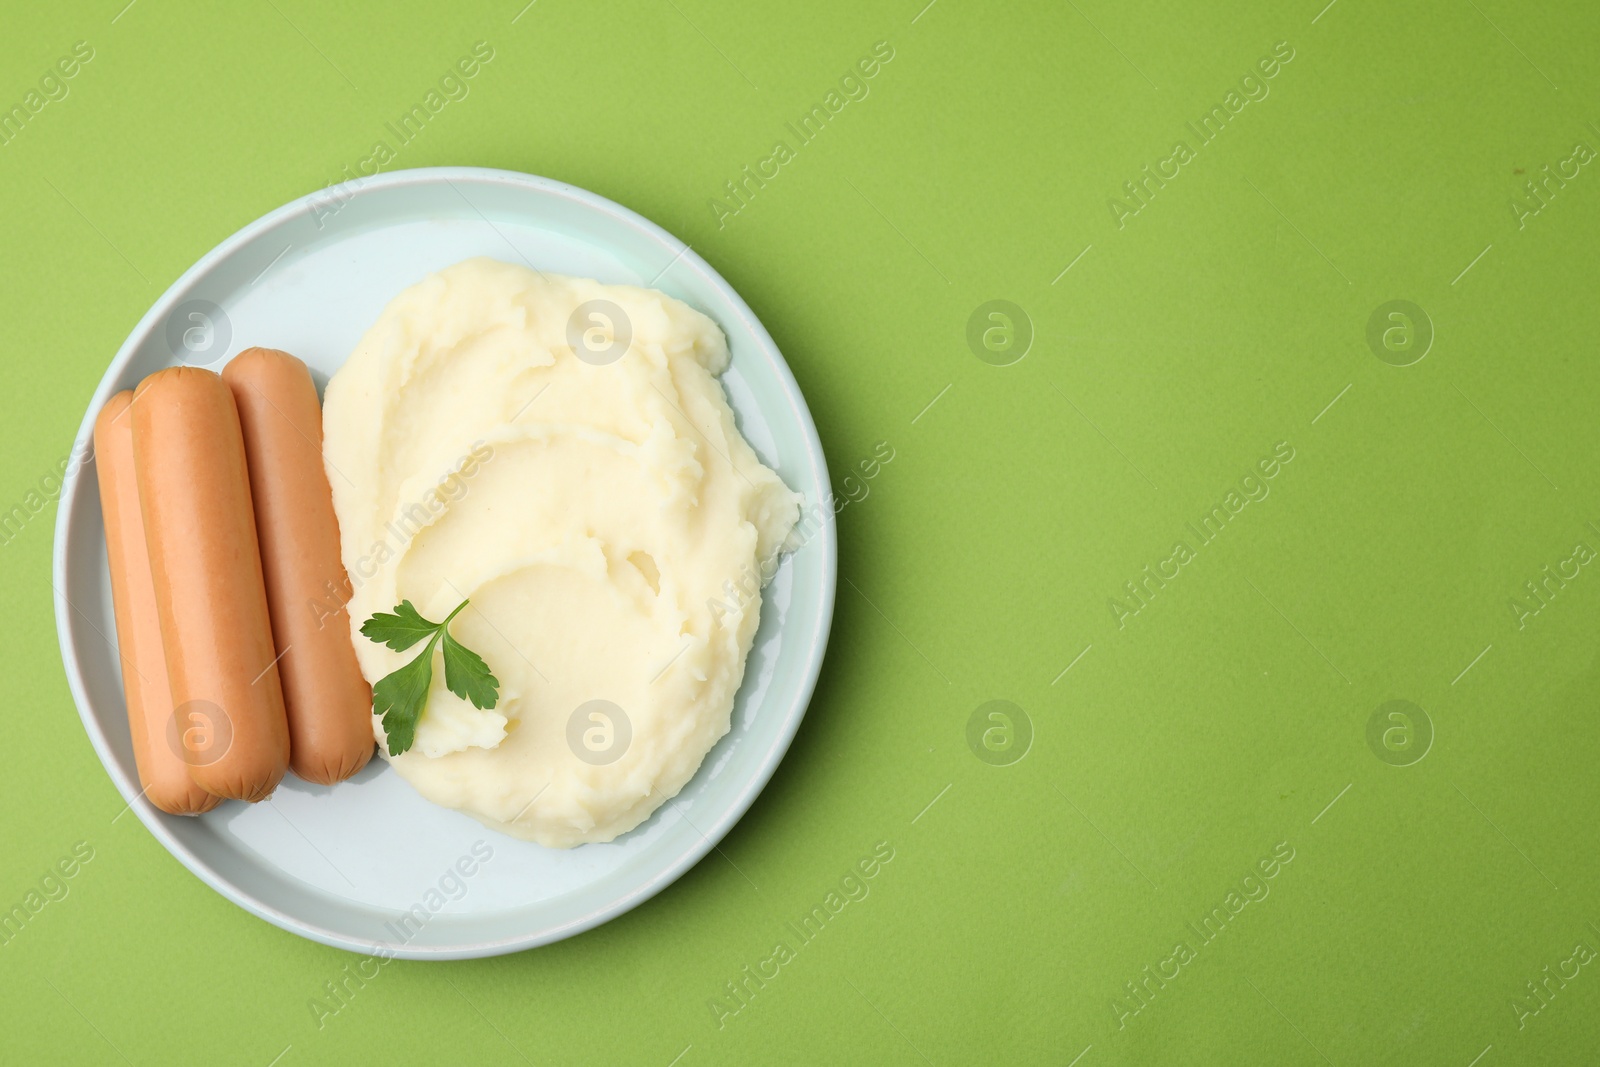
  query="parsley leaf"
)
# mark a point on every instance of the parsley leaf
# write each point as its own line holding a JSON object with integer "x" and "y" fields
{"x": 401, "y": 630}
{"x": 468, "y": 676}
{"x": 401, "y": 697}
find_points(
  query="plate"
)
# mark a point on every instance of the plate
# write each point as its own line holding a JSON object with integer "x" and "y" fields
{"x": 368, "y": 865}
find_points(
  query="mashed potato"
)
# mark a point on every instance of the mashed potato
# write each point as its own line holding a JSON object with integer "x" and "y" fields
{"x": 508, "y": 437}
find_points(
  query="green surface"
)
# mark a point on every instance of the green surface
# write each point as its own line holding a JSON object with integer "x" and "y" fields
{"x": 1228, "y": 717}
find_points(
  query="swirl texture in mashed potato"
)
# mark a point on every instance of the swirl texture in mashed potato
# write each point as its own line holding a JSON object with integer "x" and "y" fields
{"x": 604, "y": 518}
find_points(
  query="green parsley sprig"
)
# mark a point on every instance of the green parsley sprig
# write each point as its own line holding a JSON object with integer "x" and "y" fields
{"x": 400, "y": 697}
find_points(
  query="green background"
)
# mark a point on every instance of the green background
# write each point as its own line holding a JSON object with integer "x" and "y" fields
{"x": 1226, "y": 717}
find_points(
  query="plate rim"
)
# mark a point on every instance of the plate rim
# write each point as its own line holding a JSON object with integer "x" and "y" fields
{"x": 827, "y": 538}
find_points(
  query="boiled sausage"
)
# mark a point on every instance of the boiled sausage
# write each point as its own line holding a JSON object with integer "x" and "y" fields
{"x": 329, "y": 703}
{"x": 205, "y": 563}
{"x": 157, "y": 754}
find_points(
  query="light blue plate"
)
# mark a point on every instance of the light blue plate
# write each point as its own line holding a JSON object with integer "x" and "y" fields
{"x": 346, "y": 865}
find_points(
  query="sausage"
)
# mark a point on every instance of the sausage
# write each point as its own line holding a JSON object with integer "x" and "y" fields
{"x": 162, "y": 771}
{"x": 188, "y": 453}
{"x": 327, "y": 699}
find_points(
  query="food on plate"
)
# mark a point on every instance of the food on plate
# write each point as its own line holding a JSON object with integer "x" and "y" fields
{"x": 560, "y": 454}
{"x": 327, "y": 700}
{"x": 401, "y": 695}
{"x": 163, "y": 774}
{"x": 188, "y": 455}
